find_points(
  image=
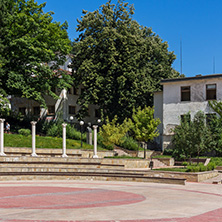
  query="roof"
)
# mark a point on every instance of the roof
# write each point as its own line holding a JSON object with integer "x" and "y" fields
{"x": 197, "y": 77}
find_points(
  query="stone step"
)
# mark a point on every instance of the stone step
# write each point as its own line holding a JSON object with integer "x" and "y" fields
{"x": 87, "y": 176}
{"x": 8, "y": 171}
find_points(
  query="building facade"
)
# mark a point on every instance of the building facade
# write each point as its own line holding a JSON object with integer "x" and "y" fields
{"x": 184, "y": 97}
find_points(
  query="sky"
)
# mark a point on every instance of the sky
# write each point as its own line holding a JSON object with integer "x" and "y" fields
{"x": 192, "y": 28}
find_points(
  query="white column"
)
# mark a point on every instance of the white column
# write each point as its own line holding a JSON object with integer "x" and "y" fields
{"x": 33, "y": 138}
{"x": 95, "y": 142}
{"x": 2, "y": 137}
{"x": 64, "y": 140}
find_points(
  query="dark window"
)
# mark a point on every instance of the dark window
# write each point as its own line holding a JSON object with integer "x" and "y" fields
{"x": 97, "y": 113}
{"x": 185, "y": 93}
{"x": 36, "y": 111}
{"x": 185, "y": 118}
{"x": 210, "y": 117}
{"x": 75, "y": 91}
{"x": 51, "y": 110}
{"x": 82, "y": 91}
{"x": 211, "y": 92}
{"x": 69, "y": 91}
{"x": 22, "y": 110}
{"x": 72, "y": 109}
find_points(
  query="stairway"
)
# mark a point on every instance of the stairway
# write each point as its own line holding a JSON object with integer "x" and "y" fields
{"x": 21, "y": 166}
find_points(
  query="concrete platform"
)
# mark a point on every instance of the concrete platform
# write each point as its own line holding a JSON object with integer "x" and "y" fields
{"x": 29, "y": 201}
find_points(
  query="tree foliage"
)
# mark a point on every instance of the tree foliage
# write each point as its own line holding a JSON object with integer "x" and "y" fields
{"x": 192, "y": 138}
{"x": 216, "y": 106}
{"x": 113, "y": 132}
{"x": 118, "y": 62}
{"x": 145, "y": 125}
{"x": 29, "y": 41}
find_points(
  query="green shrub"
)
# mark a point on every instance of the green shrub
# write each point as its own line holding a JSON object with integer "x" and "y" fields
{"x": 100, "y": 142}
{"x": 54, "y": 131}
{"x": 200, "y": 167}
{"x": 129, "y": 143}
{"x": 168, "y": 151}
{"x": 24, "y": 132}
{"x": 211, "y": 166}
{"x": 184, "y": 163}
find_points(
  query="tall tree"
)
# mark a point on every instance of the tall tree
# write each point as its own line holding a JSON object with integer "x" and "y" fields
{"x": 118, "y": 62}
{"x": 29, "y": 41}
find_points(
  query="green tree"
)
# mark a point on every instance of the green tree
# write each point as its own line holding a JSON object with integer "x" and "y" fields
{"x": 145, "y": 125}
{"x": 29, "y": 41}
{"x": 118, "y": 62}
{"x": 112, "y": 132}
{"x": 216, "y": 106}
{"x": 192, "y": 138}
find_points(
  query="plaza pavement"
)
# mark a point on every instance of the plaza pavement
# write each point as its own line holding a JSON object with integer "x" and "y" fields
{"x": 29, "y": 201}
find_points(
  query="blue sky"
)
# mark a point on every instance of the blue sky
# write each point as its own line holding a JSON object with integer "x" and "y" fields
{"x": 196, "y": 22}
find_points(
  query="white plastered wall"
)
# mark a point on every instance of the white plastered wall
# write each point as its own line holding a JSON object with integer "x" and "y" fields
{"x": 173, "y": 107}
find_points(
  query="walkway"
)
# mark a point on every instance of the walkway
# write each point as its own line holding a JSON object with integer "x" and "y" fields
{"x": 41, "y": 201}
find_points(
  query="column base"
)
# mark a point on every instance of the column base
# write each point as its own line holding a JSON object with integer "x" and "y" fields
{"x": 95, "y": 156}
{"x": 2, "y": 154}
{"x": 34, "y": 154}
{"x": 64, "y": 155}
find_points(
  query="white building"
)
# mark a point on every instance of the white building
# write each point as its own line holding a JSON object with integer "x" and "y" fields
{"x": 182, "y": 96}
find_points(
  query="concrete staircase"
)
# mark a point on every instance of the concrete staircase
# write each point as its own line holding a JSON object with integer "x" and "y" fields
{"x": 49, "y": 165}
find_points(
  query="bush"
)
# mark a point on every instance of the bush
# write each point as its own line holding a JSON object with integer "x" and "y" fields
{"x": 24, "y": 132}
{"x": 129, "y": 143}
{"x": 185, "y": 164}
{"x": 54, "y": 131}
{"x": 211, "y": 166}
{"x": 200, "y": 167}
{"x": 100, "y": 142}
{"x": 168, "y": 151}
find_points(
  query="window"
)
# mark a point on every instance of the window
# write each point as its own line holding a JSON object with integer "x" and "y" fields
{"x": 97, "y": 113}
{"x": 211, "y": 92}
{"x": 82, "y": 91}
{"x": 72, "y": 110}
{"x": 51, "y": 110}
{"x": 185, "y": 118}
{"x": 36, "y": 111}
{"x": 22, "y": 110}
{"x": 210, "y": 117}
{"x": 185, "y": 93}
{"x": 75, "y": 91}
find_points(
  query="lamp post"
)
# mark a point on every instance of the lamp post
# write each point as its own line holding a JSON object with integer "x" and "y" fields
{"x": 81, "y": 124}
{"x": 71, "y": 119}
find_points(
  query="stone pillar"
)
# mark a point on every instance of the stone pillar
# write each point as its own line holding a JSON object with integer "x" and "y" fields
{"x": 33, "y": 138}
{"x": 64, "y": 140}
{"x": 95, "y": 142}
{"x": 2, "y": 137}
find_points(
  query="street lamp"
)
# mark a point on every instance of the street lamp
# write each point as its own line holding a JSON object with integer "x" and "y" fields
{"x": 71, "y": 119}
{"x": 98, "y": 121}
{"x": 81, "y": 124}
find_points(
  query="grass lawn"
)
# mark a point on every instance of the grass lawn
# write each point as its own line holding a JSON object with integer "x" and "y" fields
{"x": 16, "y": 140}
{"x": 123, "y": 157}
{"x": 172, "y": 169}
{"x": 162, "y": 156}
